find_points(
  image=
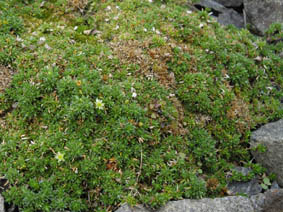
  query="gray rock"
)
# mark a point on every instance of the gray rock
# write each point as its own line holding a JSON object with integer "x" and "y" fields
{"x": 271, "y": 136}
{"x": 2, "y": 209}
{"x": 249, "y": 188}
{"x": 230, "y": 16}
{"x": 212, "y": 5}
{"x": 262, "y": 13}
{"x": 243, "y": 170}
{"x": 225, "y": 204}
{"x": 274, "y": 185}
{"x": 127, "y": 208}
{"x": 225, "y": 16}
{"x": 270, "y": 201}
{"x": 230, "y": 3}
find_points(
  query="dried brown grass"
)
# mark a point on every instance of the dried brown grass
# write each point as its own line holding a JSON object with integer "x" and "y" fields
{"x": 78, "y": 4}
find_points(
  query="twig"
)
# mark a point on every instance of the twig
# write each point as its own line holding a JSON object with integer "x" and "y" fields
{"x": 139, "y": 173}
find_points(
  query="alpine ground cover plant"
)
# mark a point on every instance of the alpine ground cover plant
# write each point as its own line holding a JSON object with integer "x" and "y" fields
{"x": 128, "y": 101}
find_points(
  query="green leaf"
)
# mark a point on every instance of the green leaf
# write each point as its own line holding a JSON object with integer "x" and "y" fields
{"x": 264, "y": 186}
{"x": 266, "y": 181}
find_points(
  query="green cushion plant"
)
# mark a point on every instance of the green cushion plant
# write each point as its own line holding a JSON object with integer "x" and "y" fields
{"x": 128, "y": 101}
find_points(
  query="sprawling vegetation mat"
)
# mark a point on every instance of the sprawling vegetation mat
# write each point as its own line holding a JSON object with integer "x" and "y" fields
{"x": 128, "y": 101}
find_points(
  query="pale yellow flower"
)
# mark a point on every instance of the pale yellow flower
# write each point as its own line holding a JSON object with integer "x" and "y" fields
{"x": 99, "y": 104}
{"x": 60, "y": 157}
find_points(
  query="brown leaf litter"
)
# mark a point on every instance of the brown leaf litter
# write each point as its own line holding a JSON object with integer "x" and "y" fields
{"x": 5, "y": 80}
{"x": 152, "y": 62}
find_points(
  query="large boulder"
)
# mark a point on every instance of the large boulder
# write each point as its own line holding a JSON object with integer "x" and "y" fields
{"x": 211, "y": 5}
{"x": 260, "y": 14}
{"x": 270, "y": 136}
{"x": 230, "y": 3}
{"x": 224, "y": 16}
{"x": 230, "y": 16}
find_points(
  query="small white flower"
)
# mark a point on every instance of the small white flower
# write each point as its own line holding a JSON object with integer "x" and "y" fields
{"x": 144, "y": 29}
{"x": 117, "y": 7}
{"x": 226, "y": 76}
{"x": 19, "y": 39}
{"x": 158, "y": 32}
{"x": 60, "y": 157}
{"x": 87, "y": 32}
{"x": 189, "y": 12}
{"x": 117, "y": 27}
{"x": 201, "y": 25}
{"x": 133, "y": 89}
{"x": 153, "y": 29}
{"x": 163, "y": 6}
{"x": 42, "y": 39}
{"x": 150, "y": 1}
{"x": 108, "y": 8}
{"x": 106, "y": 19}
{"x": 75, "y": 28}
{"x": 116, "y": 17}
{"x": 99, "y": 104}
{"x": 134, "y": 95}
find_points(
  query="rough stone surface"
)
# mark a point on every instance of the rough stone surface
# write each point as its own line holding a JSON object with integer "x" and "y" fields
{"x": 243, "y": 170}
{"x": 271, "y": 136}
{"x": 2, "y": 209}
{"x": 249, "y": 188}
{"x": 127, "y": 208}
{"x": 230, "y": 3}
{"x": 270, "y": 201}
{"x": 212, "y": 5}
{"x": 225, "y": 204}
{"x": 231, "y": 204}
{"x": 275, "y": 185}
{"x": 224, "y": 15}
{"x": 262, "y": 13}
{"x": 230, "y": 16}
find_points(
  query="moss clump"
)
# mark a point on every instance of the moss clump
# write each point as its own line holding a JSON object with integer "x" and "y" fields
{"x": 178, "y": 94}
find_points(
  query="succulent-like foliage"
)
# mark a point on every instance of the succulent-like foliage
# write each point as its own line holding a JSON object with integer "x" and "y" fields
{"x": 128, "y": 101}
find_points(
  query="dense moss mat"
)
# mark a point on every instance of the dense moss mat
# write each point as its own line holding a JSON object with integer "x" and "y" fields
{"x": 128, "y": 101}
